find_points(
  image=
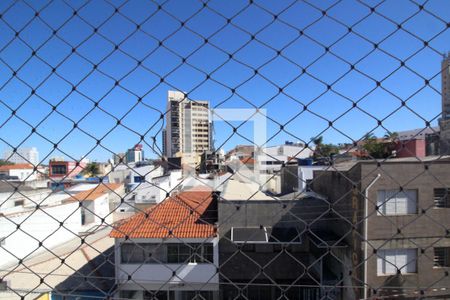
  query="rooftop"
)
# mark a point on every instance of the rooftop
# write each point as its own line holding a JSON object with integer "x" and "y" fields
{"x": 16, "y": 167}
{"x": 11, "y": 186}
{"x": 418, "y": 134}
{"x": 179, "y": 216}
{"x": 94, "y": 193}
{"x": 93, "y": 260}
{"x": 347, "y": 165}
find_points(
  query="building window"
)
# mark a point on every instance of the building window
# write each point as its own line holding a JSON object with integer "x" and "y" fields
{"x": 19, "y": 202}
{"x": 146, "y": 253}
{"x": 160, "y": 295}
{"x": 59, "y": 170}
{"x": 441, "y": 198}
{"x": 442, "y": 257}
{"x": 138, "y": 179}
{"x": 189, "y": 253}
{"x": 189, "y": 295}
{"x": 391, "y": 261}
{"x": 128, "y": 294}
{"x": 395, "y": 202}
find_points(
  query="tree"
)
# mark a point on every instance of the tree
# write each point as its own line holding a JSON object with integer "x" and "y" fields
{"x": 317, "y": 140}
{"x": 92, "y": 169}
{"x": 391, "y": 136}
{"x": 324, "y": 150}
{"x": 375, "y": 149}
{"x": 380, "y": 148}
{"x": 5, "y": 162}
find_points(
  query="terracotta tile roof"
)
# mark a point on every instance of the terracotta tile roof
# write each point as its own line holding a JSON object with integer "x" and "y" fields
{"x": 248, "y": 160}
{"x": 178, "y": 216}
{"x": 92, "y": 194}
{"x": 16, "y": 166}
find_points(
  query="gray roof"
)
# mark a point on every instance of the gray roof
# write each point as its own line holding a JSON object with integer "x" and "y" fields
{"x": 418, "y": 134}
{"x": 9, "y": 186}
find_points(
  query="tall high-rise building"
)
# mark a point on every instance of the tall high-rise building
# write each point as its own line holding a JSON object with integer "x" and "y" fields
{"x": 444, "y": 122}
{"x": 22, "y": 156}
{"x": 188, "y": 125}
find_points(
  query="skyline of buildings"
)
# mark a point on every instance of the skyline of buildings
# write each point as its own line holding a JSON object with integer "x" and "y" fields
{"x": 189, "y": 131}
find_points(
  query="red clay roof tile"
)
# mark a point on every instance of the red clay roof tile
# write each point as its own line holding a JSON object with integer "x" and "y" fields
{"x": 178, "y": 216}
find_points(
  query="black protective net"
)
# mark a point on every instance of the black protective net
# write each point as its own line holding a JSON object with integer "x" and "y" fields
{"x": 293, "y": 149}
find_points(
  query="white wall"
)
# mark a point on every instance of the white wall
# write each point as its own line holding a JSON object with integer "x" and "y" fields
{"x": 157, "y": 190}
{"x": 307, "y": 173}
{"x": 23, "y": 174}
{"x": 288, "y": 150}
{"x": 102, "y": 209}
{"x": 7, "y": 199}
{"x": 38, "y": 225}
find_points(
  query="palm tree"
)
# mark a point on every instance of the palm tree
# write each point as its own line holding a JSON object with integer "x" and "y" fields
{"x": 369, "y": 136}
{"x": 317, "y": 140}
{"x": 391, "y": 136}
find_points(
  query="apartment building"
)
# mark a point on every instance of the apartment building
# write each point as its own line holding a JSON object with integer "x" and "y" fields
{"x": 22, "y": 156}
{"x": 394, "y": 214}
{"x": 134, "y": 154}
{"x": 444, "y": 121}
{"x": 188, "y": 127}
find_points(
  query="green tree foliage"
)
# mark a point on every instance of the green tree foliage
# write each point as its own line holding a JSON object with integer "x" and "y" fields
{"x": 324, "y": 150}
{"x": 92, "y": 169}
{"x": 380, "y": 148}
{"x": 5, "y": 162}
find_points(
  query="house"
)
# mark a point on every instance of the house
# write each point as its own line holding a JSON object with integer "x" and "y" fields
{"x": 97, "y": 204}
{"x": 62, "y": 173}
{"x": 413, "y": 143}
{"x": 169, "y": 251}
{"x": 42, "y": 225}
{"x": 94, "y": 259}
{"x": 20, "y": 172}
{"x": 14, "y": 194}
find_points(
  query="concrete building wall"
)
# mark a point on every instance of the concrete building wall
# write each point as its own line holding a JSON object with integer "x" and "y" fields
{"x": 411, "y": 148}
{"x": 444, "y": 122}
{"x": 300, "y": 263}
{"x": 424, "y": 229}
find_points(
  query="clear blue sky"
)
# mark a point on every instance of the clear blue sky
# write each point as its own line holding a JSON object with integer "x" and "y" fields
{"x": 164, "y": 25}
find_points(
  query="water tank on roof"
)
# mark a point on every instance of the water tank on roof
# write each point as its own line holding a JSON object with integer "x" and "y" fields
{"x": 305, "y": 161}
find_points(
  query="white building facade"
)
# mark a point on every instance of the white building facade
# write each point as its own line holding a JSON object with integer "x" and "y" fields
{"x": 23, "y": 172}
